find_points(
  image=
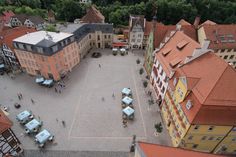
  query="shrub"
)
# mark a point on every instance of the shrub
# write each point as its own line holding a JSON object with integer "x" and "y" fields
{"x": 138, "y": 61}
{"x": 158, "y": 127}
{"x": 141, "y": 71}
{"x": 145, "y": 83}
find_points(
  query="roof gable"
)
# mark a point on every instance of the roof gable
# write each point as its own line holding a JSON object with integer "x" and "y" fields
{"x": 5, "y": 123}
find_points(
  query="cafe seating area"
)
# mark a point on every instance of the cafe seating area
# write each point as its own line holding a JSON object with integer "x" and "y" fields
{"x": 32, "y": 128}
{"x": 127, "y": 104}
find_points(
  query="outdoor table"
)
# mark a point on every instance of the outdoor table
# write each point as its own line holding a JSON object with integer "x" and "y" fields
{"x": 39, "y": 80}
{"x": 126, "y": 91}
{"x": 127, "y": 100}
{"x": 24, "y": 116}
{"x": 43, "y": 137}
{"x": 32, "y": 126}
{"x": 129, "y": 112}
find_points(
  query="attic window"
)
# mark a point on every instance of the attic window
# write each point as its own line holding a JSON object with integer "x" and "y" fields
{"x": 189, "y": 105}
{"x": 182, "y": 44}
{"x": 174, "y": 62}
{"x": 165, "y": 52}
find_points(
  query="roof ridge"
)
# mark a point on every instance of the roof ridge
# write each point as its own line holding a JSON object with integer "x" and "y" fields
{"x": 215, "y": 83}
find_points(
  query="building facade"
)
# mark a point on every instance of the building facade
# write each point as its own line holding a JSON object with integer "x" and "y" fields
{"x": 160, "y": 32}
{"x": 9, "y": 144}
{"x": 144, "y": 149}
{"x": 93, "y": 16}
{"x": 196, "y": 113}
{"x": 136, "y": 31}
{"x": 223, "y": 40}
{"x": 48, "y": 54}
{"x": 171, "y": 54}
{"x": 36, "y": 22}
{"x": 6, "y": 46}
{"x": 88, "y": 36}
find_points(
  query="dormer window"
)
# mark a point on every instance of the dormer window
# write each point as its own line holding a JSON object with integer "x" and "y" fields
{"x": 166, "y": 52}
{"x": 189, "y": 104}
{"x": 181, "y": 44}
{"x": 175, "y": 62}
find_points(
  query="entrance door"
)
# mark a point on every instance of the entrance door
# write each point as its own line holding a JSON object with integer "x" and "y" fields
{"x": 99, "y": 45}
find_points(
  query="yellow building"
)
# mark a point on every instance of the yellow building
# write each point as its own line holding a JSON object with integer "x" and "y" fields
{"x": 199, "y": 107}
{"x": 223, "y": 40}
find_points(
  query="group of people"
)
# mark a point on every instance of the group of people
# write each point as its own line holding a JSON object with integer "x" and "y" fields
{"x": 60, "y": 86}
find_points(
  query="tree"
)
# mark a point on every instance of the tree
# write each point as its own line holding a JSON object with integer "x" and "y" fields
{"x": 158, "y": 127}
{"x": 51, "y": 28}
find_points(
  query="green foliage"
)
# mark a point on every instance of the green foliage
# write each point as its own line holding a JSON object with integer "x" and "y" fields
{"x": 50, "y": 28}
{"x": 145, "y": 83}
{"x": 141, "y": 71}
{"x": 138, "y": 61}
{"x": 158, "y": 127}
{"x": 117, "y": 12}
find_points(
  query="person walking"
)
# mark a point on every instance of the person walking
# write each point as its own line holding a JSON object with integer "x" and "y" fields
{"x": 63, "y": 123}
{"x": 99, "y": 65}
{"x": 32, "y": 101}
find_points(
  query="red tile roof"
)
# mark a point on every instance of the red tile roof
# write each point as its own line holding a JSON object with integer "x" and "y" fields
{"x": 212, "y": 90}
{"x": 7, "y": 16}
{"x": 175, "y": 52}
{"x": 93, "y": 16}
{"x": 148, "y": 27}
{"x": 183, "y": 22}
{"x": 5, "y": 123}
{"x": 164, "y": 30}
{"x": 7, "y": 36}
{"x": 156, "y": 150}
{"x": 221, "y": 36}
{"x": 208, "y": 22}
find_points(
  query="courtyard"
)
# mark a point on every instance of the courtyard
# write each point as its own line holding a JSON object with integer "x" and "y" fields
{"x": 91, "y": 124}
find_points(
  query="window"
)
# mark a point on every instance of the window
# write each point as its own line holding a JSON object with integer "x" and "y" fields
{"x": 225, "y": 57}
{"x": 98, "y": 37}
{"x": 190, "y": 137}
{"x": 211, "y": 138}
{"x": 72, "y": 39}
{"x": 29, "y": 47}
{"x": 133, "y": 40}
{"x": 234, "y": 139}
{"x": 109, "y": 36}
{"x": 165, "y": 80}
{"x": 188, "y": 104}
{"x": 196, "y": 127}
{"x": 161, "y": 71}
{"x": 210, "y": 128}
{"x": 138, "y": 40}
{"x": 21, "y": 46}
{"x": 15, "y": 45}
{"x": 55, "y": 48}
{"x": 231, "y": 57}
{"x": 89, "y": 36}
{"x": 105, "y": 36}
{"x": 195, "y": 146}
{"x": 139, "y": 35}
{"x": 39, "y": 49}
{"x": 203, "y": 138}
{"x": 223, "y": 50}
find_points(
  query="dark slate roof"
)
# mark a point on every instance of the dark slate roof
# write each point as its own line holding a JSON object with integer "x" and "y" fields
{"x": 36, "y": 19}
{"x": 45, "y": 43}
{"x": 81, "y": 30}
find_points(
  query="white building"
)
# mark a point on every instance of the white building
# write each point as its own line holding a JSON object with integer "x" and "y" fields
{"x": 136, "y": 31}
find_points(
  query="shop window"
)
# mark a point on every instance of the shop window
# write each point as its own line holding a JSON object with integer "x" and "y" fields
{"x": 195, "y": 146}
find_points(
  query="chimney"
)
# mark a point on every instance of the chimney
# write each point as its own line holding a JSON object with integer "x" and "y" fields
{"x": 196, "y": 22}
